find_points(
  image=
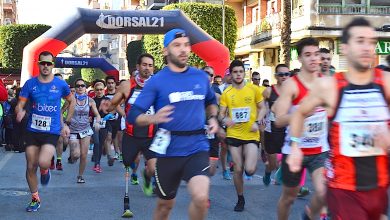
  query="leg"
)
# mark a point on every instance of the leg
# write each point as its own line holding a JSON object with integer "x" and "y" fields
{"x": 60, "y": 147}
{"x": 272, "y": 163}
{"x": 213, "y": 166}
{"x": 318, "y": 200}
{"x": 32, "y": 157}
{"x": 198, "y": 187}
{"x": 163, "y": 209}
{"x": 74, "y": 149}
{"x": 250, "y": 152}
{"x": 286, "y": 200}
{"x": 84, "y": 146}
{"x": 238, "y": 171}
{"x": 46, "y": 153}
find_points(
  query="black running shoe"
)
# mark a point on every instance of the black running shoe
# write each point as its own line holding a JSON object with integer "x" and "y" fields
{"x": 240, "y": 205}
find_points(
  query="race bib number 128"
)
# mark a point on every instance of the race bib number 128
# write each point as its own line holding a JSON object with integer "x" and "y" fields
{"x": 40, "y": 122}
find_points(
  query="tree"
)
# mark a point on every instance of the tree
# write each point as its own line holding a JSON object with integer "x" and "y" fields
{"x": 76, "y": 74}
{"x": 91, "y": 74}
{"x": 133, "y": 51}
{"x": 13, "y": 38}
{"x": 209, "y": 18}
{"x": 285, "y": 35}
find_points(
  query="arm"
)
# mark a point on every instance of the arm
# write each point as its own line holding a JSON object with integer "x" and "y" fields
{"x": 212, "y": 113}
{"x": 283, "y": 103}
{"x": 120, "y": 111}
{"x": 121, "y": 94}
{"x": 94, "y": 109}
{"x": 19, "y": 109}
{"x": 65, "y": 107}
{"x": 72, "y": 103}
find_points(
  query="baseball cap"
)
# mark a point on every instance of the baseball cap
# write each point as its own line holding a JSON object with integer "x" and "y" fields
{"x": 172, "y": 35}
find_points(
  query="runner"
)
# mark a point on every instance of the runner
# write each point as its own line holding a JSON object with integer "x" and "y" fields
{"x": 180, "y": 95}
{"x": 273, "y": 136}
{"x": 45, "y": 122}
{"x": 137, "y": 138}
{"x": 112, "y": 125}
{"x": 243, "y": 103}
{"x": 358, "y": 105}
{"x": 80, "y": 129}
{"x": 314, "y": 140}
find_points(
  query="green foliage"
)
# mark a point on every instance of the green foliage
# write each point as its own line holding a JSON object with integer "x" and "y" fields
{"x": 265, "y": 26}
{"x": 91, "y": 74}
{"x": 76, "y": 74}
{"x": 13, "y": 38}
{"x": 209, "y": 18}
{"x": 134, "y": 49}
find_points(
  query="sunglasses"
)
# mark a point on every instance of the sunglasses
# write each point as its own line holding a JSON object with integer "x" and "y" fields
{"x": 45, "y": 63}
{"x": 99, "y": 89}
{"x": 80, "y": 86}
{"x": 256, "y": 79}
{"x": 281, "y": 74}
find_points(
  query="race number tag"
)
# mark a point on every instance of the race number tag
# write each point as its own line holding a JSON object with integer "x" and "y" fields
{"x": 86, "y": 133}
{"x": 240, "y": 115}
{"x": 161, "y": 141}
{"x": 209, "y": 135}
{"x": 40, "y": 122}
{"x": 102, "y": 123}
{"x": 357, "y": 139}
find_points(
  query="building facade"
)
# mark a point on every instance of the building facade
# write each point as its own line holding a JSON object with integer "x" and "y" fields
{"x": 8, "y": 12}
{"x": 258, "y": 43}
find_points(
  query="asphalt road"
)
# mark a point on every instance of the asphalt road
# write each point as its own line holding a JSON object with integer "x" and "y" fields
{"x": 101, "y": 197}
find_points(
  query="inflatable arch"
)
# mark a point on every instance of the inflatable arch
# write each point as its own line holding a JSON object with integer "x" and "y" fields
{"x": 77, "y": 62}
{"x": 84, "y": 21}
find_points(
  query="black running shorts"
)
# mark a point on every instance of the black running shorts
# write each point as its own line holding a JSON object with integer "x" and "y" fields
{"x": 131, "y": 146}
{"x": 171, "y": 170}
{"x": 273, "y": 142}
{"x": 39, "y": 139}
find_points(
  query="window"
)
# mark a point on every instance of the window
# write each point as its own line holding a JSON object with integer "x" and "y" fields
{"x": 296, "y": 3}
{"x": 355, "y": 2}
{"x": 380, "y": 2}
{"x": 334, "y": 2}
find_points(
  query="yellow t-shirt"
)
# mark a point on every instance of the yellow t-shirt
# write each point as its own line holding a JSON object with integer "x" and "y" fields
{"x": 242, "y": 108}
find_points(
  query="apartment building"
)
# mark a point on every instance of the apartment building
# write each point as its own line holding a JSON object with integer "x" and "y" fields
{"x": 8, "y": 12}
{"x": 258, "y": 43}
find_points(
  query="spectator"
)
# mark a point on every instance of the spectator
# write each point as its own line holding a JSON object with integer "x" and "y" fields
{"x": 265, "y": 83}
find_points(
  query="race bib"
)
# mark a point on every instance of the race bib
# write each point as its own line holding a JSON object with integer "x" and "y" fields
{"x": 240, "y": 115}
{"x": 161, "y": 141}
{"x": 40, "y": 122}
{"x": 102, "y": 123}
{"x": 357, "y": 139}
{"x": 86, "y": 133}
{"x": 209, "y": 135}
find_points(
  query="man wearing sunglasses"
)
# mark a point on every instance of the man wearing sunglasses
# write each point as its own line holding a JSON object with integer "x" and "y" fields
{"x": 45, "y": 123}
{"x": 273, "y": 136}
{"x": 181, "y": 96}
{"x": 314, "y": 142}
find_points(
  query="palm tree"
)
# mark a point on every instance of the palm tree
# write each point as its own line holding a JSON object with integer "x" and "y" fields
{"x": 285, "y": 33}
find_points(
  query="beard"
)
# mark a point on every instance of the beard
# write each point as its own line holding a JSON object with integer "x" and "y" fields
{"x": 360, "y": 67}
{"x": 176, "y": 61}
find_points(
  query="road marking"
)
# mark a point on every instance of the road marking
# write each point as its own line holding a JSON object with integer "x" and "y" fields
{"x": 5, "y": 160}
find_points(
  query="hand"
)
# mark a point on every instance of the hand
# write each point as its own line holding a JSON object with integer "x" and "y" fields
{"x": 20, "y": 115}
{"x": 294, "y": 159}
{"x": 382, "y": 139}
{"x": 162, "y": 115}
{"x": 213, "y": 126}
{"x": 255, "y": 127}
{"x": 65, "y": 131}
{"x": 228, "y": 122}
{"x": 96, "y": 126}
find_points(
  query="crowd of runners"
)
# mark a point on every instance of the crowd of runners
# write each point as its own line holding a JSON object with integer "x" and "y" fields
{"x": 184, "y": 121}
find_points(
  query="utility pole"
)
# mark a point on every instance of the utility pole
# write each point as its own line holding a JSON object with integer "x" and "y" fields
{"x": 223, "y": 22}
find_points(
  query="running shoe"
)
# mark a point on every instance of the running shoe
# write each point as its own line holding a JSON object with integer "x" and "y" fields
{"x": 134, "y": 179}
{"x": 121, "y": 158}
{"x": 324, "y": 217}
{"x": 147, "y": 186}
{"x": 70, "y": 160}
{"x": 246, "y": 177}
{"x": 110, "y": 161}
{"x": 45, "y": 177}
{"x": 52, "y": 164}
{"x": 33, "y": 206}
{"x": 80, "y": 179}
{"x": 304, "y": 191}
{"x": 59, "y": 165}
{"x": 98, "y": 169}
{"x": 116, "y": 156}
{"x": 278, "y": 176}
{"x": 240, "y": 205}
{"x": 267, "y": 179}
{"x": 226, "y": 175}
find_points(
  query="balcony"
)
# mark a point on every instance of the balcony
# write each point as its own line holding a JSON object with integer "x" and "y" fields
{"x": 8, "y": 7}
{"x": 353, "y": 9}
{"x": 156, "y": 4}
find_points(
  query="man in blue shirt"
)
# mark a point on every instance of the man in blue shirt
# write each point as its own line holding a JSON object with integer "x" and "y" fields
{"x": 45, "y": 122}
{"x": 181, "y": 95}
